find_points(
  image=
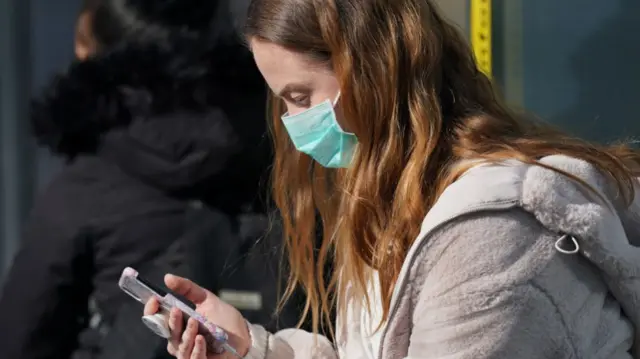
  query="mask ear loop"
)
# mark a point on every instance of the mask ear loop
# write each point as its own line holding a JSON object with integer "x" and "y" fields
{"x": 335, "y": 102}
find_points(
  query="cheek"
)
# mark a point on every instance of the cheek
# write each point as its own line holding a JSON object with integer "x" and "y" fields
{"x": 341, "y": 120}
{"x": 292, "y": 111}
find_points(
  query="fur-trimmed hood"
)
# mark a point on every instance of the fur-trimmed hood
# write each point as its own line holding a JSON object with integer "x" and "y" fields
{"x": 172, "y": 116}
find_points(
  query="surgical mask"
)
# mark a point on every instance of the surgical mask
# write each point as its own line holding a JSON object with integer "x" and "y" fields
{"x": 316, "y": 132}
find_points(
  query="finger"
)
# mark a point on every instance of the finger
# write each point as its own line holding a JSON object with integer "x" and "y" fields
{"x": 171, "y": 349}
{"x": 186, "y": 288}
{"x": 152, "y": 306}
{"x": 199, "y": 348}
{"x": 175, "y": 327}
{"x": 188, "y": 338}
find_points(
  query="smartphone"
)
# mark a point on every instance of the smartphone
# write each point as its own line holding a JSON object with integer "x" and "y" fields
{"x": 142, "y": 290}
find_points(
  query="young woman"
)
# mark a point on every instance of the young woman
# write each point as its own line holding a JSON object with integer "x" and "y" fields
{"x": 459, "y": 230}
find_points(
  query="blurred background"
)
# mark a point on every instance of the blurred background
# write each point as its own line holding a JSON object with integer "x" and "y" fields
{"x": 575, "y": 63}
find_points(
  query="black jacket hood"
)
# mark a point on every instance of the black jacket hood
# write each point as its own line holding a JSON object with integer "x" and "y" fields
{"x": 180, "y": 122}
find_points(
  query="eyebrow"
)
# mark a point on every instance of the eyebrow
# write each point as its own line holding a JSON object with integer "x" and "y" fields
{"x": 289, "y": 88}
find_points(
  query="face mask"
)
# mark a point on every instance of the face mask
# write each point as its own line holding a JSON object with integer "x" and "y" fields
{"x": 316, "y": 132}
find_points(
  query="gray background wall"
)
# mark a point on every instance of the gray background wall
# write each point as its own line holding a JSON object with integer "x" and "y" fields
{"x": 457, "y": 11}
{"x": 36, "y": 40}
{"x": 582, "y": 65}
{"x": 15, "y": 147}
{"x": 52, "y": 24}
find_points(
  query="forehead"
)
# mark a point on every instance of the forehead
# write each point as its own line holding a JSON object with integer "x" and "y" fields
{"x": 281, "y": 67}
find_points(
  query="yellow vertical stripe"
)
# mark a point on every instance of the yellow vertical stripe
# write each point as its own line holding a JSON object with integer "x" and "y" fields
{"x": 481, "y": 34}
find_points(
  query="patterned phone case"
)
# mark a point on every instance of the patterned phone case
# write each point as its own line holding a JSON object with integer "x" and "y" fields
{"x": 215, "y": 337}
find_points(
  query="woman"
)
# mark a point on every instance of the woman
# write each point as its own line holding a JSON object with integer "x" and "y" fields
{"x": 459, "y": 230}
{"x": 163, "y": 109}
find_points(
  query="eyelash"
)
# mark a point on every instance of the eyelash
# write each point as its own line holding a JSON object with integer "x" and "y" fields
{"x": 301, "y": 101}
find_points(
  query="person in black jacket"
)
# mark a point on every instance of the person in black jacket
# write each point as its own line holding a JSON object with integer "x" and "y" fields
{"x": 161, "y": 123}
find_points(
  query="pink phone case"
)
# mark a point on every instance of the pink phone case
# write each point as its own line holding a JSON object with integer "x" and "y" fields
{"x": 215, "y": 336}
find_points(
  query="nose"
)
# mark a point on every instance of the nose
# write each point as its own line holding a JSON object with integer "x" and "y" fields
{"x": 294, "y": 112}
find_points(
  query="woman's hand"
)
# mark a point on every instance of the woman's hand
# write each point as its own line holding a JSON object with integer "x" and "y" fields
{"x": 185, "y": 343}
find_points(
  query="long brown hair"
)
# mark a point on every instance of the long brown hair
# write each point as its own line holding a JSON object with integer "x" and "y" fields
{"x": 414, "y": 97}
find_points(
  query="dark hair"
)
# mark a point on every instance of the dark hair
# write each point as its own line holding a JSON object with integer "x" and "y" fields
{"x": 153, "y": 57}
{"x": 413, "y": 95}
{"x": 114, "y": 22}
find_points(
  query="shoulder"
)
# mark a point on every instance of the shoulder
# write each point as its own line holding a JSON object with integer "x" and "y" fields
{"x": 91, "y": 194}
{"x": 502, "y": 222}
{"x": 485, "y": 251}
{"x": 497, "y": 276}
{"x": 487, "y": 258}
{"x": 551, "y": 182}
{"x": 566, "y": 195}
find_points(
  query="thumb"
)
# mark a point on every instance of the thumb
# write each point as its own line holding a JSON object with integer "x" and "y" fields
{"x": 186, "y": 288}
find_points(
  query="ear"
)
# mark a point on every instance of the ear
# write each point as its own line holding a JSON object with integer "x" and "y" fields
{"x": 84, "y": 43}
{"x": 82, "y": 51}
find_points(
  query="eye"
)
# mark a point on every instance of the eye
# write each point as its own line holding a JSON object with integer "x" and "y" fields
{"x": 300, "y": 100}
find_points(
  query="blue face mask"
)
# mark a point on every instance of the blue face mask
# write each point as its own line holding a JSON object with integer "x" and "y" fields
{"x": 317, "y": 133}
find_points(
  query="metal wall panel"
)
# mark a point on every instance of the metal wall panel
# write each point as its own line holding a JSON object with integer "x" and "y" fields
{"x": 36, "y": 41}
{"x": 15, "y": 148}
{"x": 456, "y": 11}
{"x": 52, "y": 26}
{"x": 581, "y": 65}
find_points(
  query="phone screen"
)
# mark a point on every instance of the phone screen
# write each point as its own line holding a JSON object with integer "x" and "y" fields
{"x": 161, "y": 292}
